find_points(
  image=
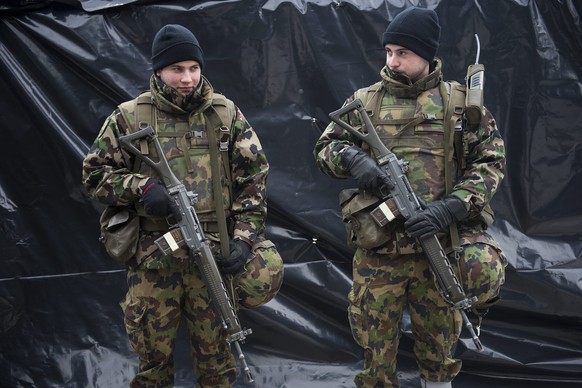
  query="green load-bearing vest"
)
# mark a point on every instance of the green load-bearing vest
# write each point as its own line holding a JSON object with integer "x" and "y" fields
{"x": 427, "y": 132}
{"x": 186, "y": 142}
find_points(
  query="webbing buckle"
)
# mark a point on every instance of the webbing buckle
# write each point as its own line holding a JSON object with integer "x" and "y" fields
{"x": 224, "y": 137}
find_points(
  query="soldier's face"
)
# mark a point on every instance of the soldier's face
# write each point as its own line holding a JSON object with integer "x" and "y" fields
{"x": 406, "y": 62}
{"x": 183, "y": 76}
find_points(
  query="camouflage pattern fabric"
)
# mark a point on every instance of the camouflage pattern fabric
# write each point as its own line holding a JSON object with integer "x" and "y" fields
{"x": 396, "y": 275}
{"x": 153, "y": 308}
{"x": 480, "y": 267}
{"x": 262, "y": 277}
{"x": 164, "y": 288}
{"x": 108, "y": 178}
{"x": 157, "y": 299}
{"x": 422, "y": 146}
{"x": 385, "y": 285}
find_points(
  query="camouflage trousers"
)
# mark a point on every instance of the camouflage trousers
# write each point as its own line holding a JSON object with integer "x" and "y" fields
{"x": 158, "y": 299}
{"x": 385, "y": 285}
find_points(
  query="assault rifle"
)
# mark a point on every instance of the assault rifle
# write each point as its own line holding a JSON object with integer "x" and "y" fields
{"x": 189, "y": 231}
{"x": 402, "y": 200}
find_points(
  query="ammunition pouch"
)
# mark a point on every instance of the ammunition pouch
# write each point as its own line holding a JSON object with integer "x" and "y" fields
{"x": 362, "y": 229}
{"x": 119, "y": 232}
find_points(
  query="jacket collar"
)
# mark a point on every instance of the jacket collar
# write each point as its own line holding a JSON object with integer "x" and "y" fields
{"x": 401, "y": 86}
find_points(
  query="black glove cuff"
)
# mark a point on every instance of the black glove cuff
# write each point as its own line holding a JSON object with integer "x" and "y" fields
{"x": 457, "y": 207}
{"x": 147, "y": 186}
{"x": 347, "y": 156}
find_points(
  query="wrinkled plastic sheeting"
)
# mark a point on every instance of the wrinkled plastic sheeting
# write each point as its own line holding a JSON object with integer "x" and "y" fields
{"x": 66, "y": 64}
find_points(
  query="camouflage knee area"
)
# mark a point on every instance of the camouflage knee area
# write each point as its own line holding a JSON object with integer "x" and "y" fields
{"x": 482, "y": 271}
{"x": 374, "y": 315}
{"x": 376, "y": 303}
{"x": 151, "y": 320}
{"x": 262, "y": 277}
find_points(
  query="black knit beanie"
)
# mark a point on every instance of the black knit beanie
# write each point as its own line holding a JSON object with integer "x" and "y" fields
{"x": 416, "y": 29}
{"x": 174, "y": 43}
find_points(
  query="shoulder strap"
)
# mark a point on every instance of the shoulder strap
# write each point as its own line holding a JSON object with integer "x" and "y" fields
{"x": 138, "y": 114}
{"x": 220, "y": 115}
{"x": 144, "y": 111}
{"x": 453, "y": 95}
{"x": 372, "y": 99}
{"x": 458, "y": 106}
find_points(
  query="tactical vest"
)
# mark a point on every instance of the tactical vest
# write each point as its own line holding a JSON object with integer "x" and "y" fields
{"x": 189, "y": 142}
{"x": 427, "y": 132}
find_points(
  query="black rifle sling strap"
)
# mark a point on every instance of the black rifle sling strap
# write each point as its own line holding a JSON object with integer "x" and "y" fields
{"x": 214, "y": 123}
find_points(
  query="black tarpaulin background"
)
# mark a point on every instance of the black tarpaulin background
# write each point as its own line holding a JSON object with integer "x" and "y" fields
{"x": 66, "y": 64}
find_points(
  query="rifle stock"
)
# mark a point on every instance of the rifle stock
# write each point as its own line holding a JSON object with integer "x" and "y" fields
{"x": 193, "y": 236}
{"x": 408, "y": 205}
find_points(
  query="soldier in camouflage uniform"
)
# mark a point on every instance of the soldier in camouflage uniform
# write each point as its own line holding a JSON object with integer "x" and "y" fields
{"x": 165, "y": 288}
{"x": 392, "y": 274}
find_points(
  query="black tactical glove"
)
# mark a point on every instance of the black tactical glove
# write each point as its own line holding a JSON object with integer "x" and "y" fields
{"x": 239, "y": 253}
{"x": 157, "y": 202}
{"x": 366, "y": 171}
{"x": 436, "y": 216}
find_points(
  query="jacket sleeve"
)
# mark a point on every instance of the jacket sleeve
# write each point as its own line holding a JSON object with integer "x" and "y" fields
{"x": 333, "y": 141}
{"x": 106, "y": 176}
{"x": 249, "y": 168}
{"x": 485, "y": 165}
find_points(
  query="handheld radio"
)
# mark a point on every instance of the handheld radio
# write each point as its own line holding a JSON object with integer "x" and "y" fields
{"x": 474, "y": 97}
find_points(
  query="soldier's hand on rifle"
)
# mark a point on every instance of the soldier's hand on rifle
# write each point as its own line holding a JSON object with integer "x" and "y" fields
{"x": 436, "y": 216}
{"x": 157, "y": 202}
{"x": 239, "y": 253}
{"x": 365, "y": 170}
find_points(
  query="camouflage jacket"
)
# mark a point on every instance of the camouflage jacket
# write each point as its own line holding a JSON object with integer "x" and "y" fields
{"x": 423, "y": 147}
{"x": 110, "y": 178}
